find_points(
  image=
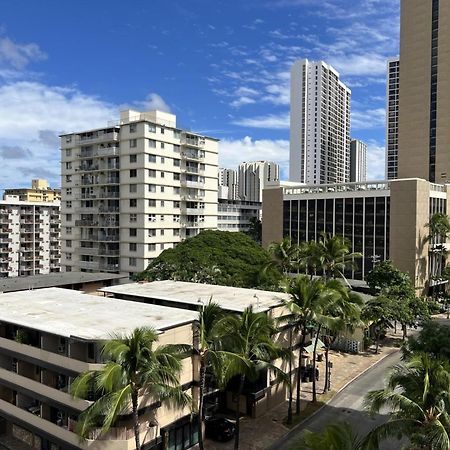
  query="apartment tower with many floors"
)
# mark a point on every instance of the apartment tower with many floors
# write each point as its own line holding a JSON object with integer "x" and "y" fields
{"x": 424, "y": 107}
{"x": 392, "y": 101}
{"x": 358, "y": 160}
{"x": 134, "y": 189}
{"x": 320, "y": 124}
{"x": 255, "y": 176}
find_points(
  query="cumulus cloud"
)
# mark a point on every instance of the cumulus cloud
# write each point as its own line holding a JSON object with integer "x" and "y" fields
{"x": 18, "y": 56}
{"x": 271, "y": 121}
{"x": 234, "y": 151}
{"x": 368, "y": 119}
{"x": 14, "y": 152}
{"x": 154, "y": 101}
{"x": 376, "y": 154}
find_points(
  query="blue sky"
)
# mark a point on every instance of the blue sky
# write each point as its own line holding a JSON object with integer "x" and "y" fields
{"x": 222, "y": 66}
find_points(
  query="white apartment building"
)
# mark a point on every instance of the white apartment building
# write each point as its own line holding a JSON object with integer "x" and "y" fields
{"x": 134, "y": 189}
{"x": 29, "y": 237}
{"x": 255, "y": 176}
{"x": 228, "y": 184}
{"x": 236, "y": 215}
{"x": 358, "y": 161}
{"x": 392, "y": 99}
{"x": 319, "y": 124}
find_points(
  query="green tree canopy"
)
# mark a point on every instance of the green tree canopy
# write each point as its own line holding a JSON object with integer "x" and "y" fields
{"x": 433, "y": 339}
{"x": 215, "y": 257}
{"x": 385, "y": 276}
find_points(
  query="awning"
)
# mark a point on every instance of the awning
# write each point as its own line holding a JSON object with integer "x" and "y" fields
{"x": 310, "y": 348}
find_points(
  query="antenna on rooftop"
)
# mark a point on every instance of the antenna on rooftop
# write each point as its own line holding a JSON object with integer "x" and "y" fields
{"x": 257, "y": 300}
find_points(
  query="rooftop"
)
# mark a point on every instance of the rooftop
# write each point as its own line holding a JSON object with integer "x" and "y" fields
{"x": 229, "y": 298}
{"x": 72, "y": 314}
{"x": 55, "y": 279}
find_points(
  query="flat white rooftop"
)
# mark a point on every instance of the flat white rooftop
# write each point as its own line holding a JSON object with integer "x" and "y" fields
{"x": 229, "y": 298}
{"x": 69, "y": 313}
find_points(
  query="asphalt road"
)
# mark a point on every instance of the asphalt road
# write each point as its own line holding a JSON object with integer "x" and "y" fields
{"x": 347, "y": 406}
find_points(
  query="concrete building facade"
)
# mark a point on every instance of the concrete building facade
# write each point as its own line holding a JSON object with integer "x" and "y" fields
{"x": 255, "y": 176}
{"x": 424, "y": 103}
{"x": 358, "y": 161}
{"x": 228, "y": 184}
{"x": 29, "y": 237}
{"x": 40, "y": 191}
{"x": 133, "y": 189}
{"x": 382, "y": 220}
{"x": 319, "y": 124}
{"x": 392, "y": 104}
{"x": 236, "y": 215}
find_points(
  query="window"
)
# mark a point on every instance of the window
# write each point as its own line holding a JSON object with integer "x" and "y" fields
{"x": 176, "y": 148}
{"x": 161, "y": 246}
{"x": 176, "y": 218}
{"x": 162, "y": 145}
{"x": 177, "y": 134}
{"x": 162, "y": 202}
{"x": 133, "y": 217}
{"x": 152, "y": 173}
{"x": 68, "y": 243}
{"x": 152, "y": 203}
{"x": 151, "y": 247}
{"x": 162, "y": 130}
{"x": 69, "y": 191}
{"x": 132, "y": 246}
{"x": 152, "y": 128}
{"x": 176, "y": 162}
{"x": 69, "y": 152}
{"x": 68, "y": 165}
{"x": 152, "y": 158}
{"x": 133, "y": 143}
{"x": 133, "y": 188}
{"x": 132, "y": 262}
{"x": 69, "y": 256}
{"x": 162, "y": 188}
{"x": 176, "y": 204}
{"x": 163, "y": 160}
{"x": 152, "y": 143}
{"x": 162, "y": 218}
{"x": 162, "y": 174}
{"x": 133, "y": 158}
{"x": 68, "y": 178}
{"x": 133, "y": 173}
{"x": 162, "y": 232}
{"x": 69, "y": 217}
{"x": 151, "y": 233}
{"x": 133, "y": 232}
{"x": 176, "y": 232}
{"x": 176, "y": 176}
{"x": 176, "y": 190}
{"x": 69, "y": 204}
{"x": 133, "y": 128}
{"x": 68, "y": 230}
{"x": 152, "y": 217}
{"x": 133, "y": 202}
{"x": 152, "y": 188}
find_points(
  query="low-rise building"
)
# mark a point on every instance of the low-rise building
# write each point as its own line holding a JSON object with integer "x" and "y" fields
{"x": 40, "y": 191}
{"x": 236, "y": 215}
{"x": 382, "y": 220}
{"x": 29, "y": 237}
{"x": 48, "y": 337}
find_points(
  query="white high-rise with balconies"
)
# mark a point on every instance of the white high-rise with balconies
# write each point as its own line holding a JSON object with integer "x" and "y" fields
{"x": 255, "y": 176}
{"x": 133, "y": 189}
{"x": 320, "y": 124}
{"x": 358, "y": 160}
{"x": 228, "y": 184}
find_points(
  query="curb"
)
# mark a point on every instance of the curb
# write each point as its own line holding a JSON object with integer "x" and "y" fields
{"x": 277, "y": 444}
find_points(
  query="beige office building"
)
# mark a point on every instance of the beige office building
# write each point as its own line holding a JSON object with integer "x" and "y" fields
{"x": 40, "y": 191}
{"x": 134, "y": 189}
{"x": 48, "y": 337}
{"x": 424, "y": 107}
{"x": 29, "y": 237}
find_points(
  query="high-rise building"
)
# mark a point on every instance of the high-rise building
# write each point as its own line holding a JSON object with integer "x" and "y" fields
{"x": 255, "y": 176}
{"x": 392, "y": 95}
{"x": 228, "y": 184}
{"x": 40, "y": 191}
{"x": 424, "y": 107}
{"x": 320, "y": 124}
{"x": 358, "y": 160}
{"x": 133, "y": 189}
{"x": 29, "y": 237}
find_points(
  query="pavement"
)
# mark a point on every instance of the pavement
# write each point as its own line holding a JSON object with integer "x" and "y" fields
{"x": 269, "y": 430}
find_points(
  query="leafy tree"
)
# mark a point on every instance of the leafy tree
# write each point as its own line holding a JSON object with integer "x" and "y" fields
{"x": 284, "y": 255}
{"x": 310, "y": 258}
{"x": 255, "y": 230}
{"x": 250, "y": 349}
{"x": 215, "y": 257}
{"x": 418, "y": 399}
{"x": 433, "y": 339}
{"x": 336, "y": 436}
{"x": 385, "y": 275}
{"x": 377, "y": 312}
{"x": 439, "y": 233}
{"x": 134, "y": 368}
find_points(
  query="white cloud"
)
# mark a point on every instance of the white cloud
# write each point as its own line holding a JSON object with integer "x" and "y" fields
{"x": 153, "y": 101}
{"x": 376, "y": 154}
{"x": 18, "y": 56}
{"x": 234, "y": 151}
{"x": 271, "y": 121}
{"x": 369, "y": 119}
{"x": 366, "y": 64}
{"x": 241, "y": 101}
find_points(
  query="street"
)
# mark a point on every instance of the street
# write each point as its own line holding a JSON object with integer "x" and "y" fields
{"x": 348, "y": 406}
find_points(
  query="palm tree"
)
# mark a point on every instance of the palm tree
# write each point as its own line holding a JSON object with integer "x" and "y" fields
{"x": 250, "y": 350}
{"x": 210, "y": 358}
{"x": 310, "y": 257}
{"x": 284, "y": 254}
{"x": 134, "y": 368}
{"x": 306, "y": 302}
{"x": 336, "y": 436}
{"x": 418, "y": 397}
{"x": 336, "y": 255}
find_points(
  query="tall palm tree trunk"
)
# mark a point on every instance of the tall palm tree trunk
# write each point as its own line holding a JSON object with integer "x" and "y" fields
{"x": 325, "y": 387}
{"x": 238, "y": 402}
{"x": 289, "y": 415}
{"x": 134, "y": 401}
{"x": 200, "y": 403}
{"x": 314, "y": 398}
{"x": 299, "y": 371}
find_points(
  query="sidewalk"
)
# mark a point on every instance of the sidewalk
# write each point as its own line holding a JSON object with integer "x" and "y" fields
{"x": 258, "y": 434}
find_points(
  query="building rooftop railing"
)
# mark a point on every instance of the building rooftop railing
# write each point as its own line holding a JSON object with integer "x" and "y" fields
{"x": 338, "y": 187}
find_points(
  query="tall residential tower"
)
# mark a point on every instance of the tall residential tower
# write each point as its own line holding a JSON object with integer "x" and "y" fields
{"x": 255, "y": 176}
{"x": 320, "y": 124}
{"x": 424, "y": 112}
{"x": 358, "y": 160}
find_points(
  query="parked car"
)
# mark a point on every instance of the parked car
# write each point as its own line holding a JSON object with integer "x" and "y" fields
{"x": 219, "y": 429}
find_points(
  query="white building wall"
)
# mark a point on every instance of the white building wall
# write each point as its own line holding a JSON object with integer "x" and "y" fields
{"x": 253, "y": 177}
{"x": 358, "y": 161}
{"x": 228, "y": 178}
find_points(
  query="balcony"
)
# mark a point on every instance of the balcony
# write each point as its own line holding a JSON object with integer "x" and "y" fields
{"x": 194, "y": 156}
{"x": 192, "y": 140}
{"x": 110, "y": 267}
{"x": 86, "y": 210}
{"x": 97, "y": 136}
{"x": 108, "y": 209}
{"x": 87, "y": 251}
{"x": 86, "y": 223}
{"x": 89, "y": 265}
{"x": 113, "y": 194}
